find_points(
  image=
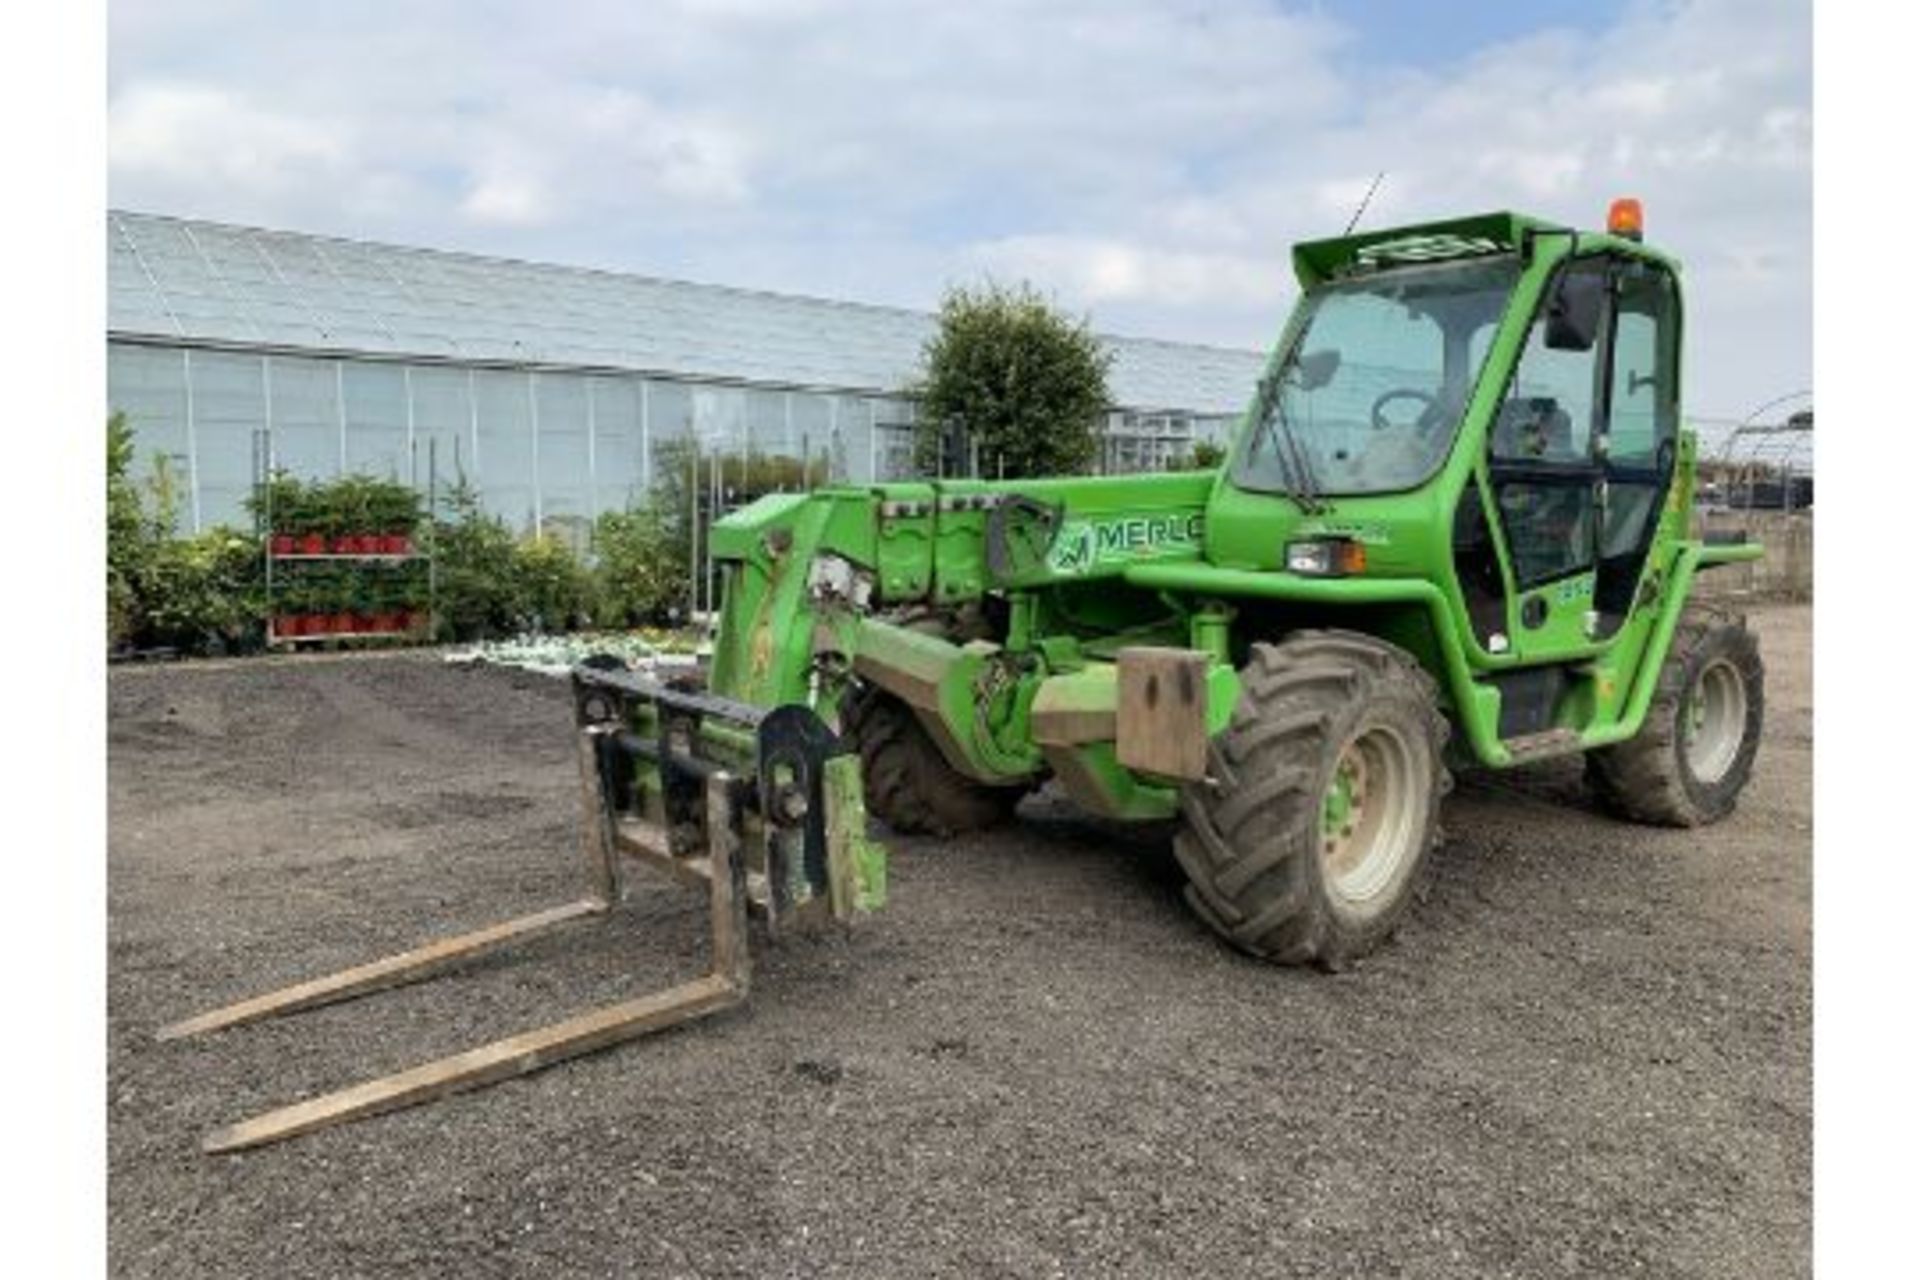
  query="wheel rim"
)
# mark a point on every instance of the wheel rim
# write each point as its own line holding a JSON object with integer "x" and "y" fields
{"x": 1714, "y": 720}
{"x": 1369, "y": 816}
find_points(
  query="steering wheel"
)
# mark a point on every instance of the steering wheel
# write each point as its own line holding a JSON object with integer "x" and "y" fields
{"x": 1428, "y": 403}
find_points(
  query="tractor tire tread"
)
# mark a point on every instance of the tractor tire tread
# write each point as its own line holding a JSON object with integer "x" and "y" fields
{"x": 1251, "y": 848}
{"x": 909, "y": 785}
{"x": 1645, "y": 779}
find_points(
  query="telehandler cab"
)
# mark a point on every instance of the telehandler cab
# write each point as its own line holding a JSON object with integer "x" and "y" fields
{"x": 1454, "y": 528}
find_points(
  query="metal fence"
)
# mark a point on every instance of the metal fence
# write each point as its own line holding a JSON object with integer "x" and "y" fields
{"x": 1786, "y": 570}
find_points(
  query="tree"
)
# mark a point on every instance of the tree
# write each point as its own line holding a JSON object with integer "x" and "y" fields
{"x": 128, "y": 547}
{"x": 1205, "y": 455}
{"x": 1010, "y": 385}
{"x": 474, "y": 556}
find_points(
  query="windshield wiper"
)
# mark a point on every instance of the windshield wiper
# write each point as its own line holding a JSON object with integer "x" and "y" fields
{"x": 1287, "y": 450}
{"x": 1265, "y": 408}
{"x": 1309, "y": 483}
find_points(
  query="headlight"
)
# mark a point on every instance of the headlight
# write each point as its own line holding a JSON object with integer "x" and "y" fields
{"x": 1326, "y": 558}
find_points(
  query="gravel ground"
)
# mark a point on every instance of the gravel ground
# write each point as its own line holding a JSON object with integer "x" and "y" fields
{"x": 1588, "y": 1053}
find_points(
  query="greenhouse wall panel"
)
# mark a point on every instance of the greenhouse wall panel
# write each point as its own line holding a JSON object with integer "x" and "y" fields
{"x": 559, "y": 393}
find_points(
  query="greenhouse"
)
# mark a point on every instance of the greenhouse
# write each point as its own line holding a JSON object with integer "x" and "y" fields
{"x": 556, "y": 392}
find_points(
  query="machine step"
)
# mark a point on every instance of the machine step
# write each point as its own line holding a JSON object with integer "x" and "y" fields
{"x": 1540, "y": 746}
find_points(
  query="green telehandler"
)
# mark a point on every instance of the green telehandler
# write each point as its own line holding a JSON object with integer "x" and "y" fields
{"x": 1453, "y": 529}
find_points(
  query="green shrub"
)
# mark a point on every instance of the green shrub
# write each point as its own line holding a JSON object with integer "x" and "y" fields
{"x": 1205, "y": 455}
{"x": 551, "y": 589}
{"x": 130, "y": 540}
{"x": 474, "y": 554}
{"x": 391, "y": 588}
{"x": 640, "y": 568}
{"x": 204, "y": 594}
{"x": 650, "y": 548}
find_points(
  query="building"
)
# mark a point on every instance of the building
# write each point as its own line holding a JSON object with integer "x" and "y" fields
{"x": 553, "y": 390}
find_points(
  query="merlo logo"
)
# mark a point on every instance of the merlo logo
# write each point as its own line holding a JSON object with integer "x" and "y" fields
{"x": 1085, "y": 543}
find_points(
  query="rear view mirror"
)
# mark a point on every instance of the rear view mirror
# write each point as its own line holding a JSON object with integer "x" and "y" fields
{"x": 1316, "y": 368}
{"x": 1573, "y": 313}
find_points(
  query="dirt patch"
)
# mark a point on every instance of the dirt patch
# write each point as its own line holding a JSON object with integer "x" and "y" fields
{"x": 1588, "y": 1052}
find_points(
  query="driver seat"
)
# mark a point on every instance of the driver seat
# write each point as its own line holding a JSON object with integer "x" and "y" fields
{"x": 1549, "y": 526}
{"x": 1533, "y": 429}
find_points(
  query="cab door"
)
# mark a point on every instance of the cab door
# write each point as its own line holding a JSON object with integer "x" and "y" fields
{"x": 1638, "y": 448}
{"x": 1545, "y": 471}
{"x": 1580, "y": 457}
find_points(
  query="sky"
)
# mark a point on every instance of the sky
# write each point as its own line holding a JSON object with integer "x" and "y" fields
{"x": 1145, "y": 162}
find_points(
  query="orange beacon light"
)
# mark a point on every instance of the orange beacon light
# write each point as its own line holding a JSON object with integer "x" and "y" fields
{"x": 1624, "y": 218}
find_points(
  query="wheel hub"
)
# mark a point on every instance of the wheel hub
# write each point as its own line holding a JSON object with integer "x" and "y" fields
{"x": 1345, "y": 802}
{"x": 1368, "y": 815}
{"x": 1713, "y": 721}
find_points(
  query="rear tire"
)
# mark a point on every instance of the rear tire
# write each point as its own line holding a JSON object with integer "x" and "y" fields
{"x": 909, "y": 785}
{"x": 1694, "y": 754}
{"x": 1308, "y": 841}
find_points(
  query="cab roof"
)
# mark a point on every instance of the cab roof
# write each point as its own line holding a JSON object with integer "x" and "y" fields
{"x": 1484, "y": 234}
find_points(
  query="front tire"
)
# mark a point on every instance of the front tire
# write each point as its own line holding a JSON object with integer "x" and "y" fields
{"x": 908, "y": 784}
{"x": 1306, "y": 843}
{"x": 1694, "y": 754}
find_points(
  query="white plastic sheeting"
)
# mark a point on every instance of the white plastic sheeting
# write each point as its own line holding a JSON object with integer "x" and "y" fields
{"x": 646, "y": 652}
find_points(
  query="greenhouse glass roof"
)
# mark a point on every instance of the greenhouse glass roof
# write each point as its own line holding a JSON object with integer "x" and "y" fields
{"x": 187, "y": 281}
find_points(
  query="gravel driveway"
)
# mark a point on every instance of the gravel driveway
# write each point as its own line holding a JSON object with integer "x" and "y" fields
{"x": 1588, "y": 1053}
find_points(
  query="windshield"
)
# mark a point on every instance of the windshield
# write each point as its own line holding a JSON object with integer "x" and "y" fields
{"x": 1367, "y": 398}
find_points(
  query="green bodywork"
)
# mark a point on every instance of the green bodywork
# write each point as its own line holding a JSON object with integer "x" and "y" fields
{"x": 836, "y": 585}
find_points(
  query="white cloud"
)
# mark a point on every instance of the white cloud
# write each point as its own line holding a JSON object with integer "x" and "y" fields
{"x": 686, "y": 156}
{"x": 1700, "y": 109}
{"x": 1149, "y": 160}
{"x": 1097, "y": 270}
{"x": 511, "y": 199}
{"x": 568, "y": 155}
{"x": 196, "y": 133}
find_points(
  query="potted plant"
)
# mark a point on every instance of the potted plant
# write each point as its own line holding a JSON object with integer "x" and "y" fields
{"x": 334, "y": 499}
{"x": 362, "y": 588}
{"x": 312, "y": 522}
{"x": 319, "y": 596}
{"x": 291, "y": 618}
{"x": 370, "y": 514}
{"x": 393, "y": 509}
{"x": 274, "y": 507}
{"x": 337, "y": 603}
{"x": 303, "y": 509}
{"x": 288, "y": 502}
{"x": 388, "y": 592}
